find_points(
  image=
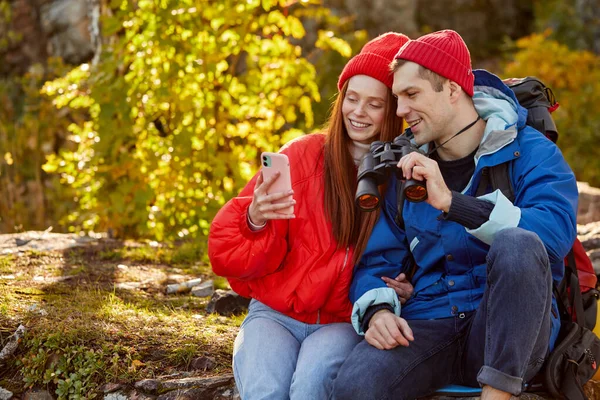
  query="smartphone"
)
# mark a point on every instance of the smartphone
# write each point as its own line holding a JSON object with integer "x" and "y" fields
{"x": 276, "y": 162}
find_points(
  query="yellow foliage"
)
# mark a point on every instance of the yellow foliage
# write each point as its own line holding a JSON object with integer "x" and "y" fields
{"x": 574, "y": 77}
{"x": 175, "y": 115}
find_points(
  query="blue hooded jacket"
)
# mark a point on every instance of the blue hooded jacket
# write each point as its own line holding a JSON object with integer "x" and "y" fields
{"x": 545, "y": 203}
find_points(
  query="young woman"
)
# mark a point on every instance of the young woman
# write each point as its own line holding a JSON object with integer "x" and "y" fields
{"x": 297, "y": 268}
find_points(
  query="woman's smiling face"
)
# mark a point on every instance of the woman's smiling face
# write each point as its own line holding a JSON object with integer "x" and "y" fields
{"x": 363, "y": 108}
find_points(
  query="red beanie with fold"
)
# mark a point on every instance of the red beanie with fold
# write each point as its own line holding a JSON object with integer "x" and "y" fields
{"x": 374, "y": 59}
{"x": 443, "y": 52}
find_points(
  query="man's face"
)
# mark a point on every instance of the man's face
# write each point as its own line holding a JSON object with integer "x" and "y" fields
{"x": 426, "y": 111}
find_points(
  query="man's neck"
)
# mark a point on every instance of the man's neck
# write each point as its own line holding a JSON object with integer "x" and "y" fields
{"x": 466, "y": 142}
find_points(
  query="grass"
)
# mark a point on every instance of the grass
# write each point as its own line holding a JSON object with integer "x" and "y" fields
{"x": 99, "y": 314}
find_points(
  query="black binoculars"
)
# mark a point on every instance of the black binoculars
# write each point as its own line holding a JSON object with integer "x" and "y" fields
{"x": 375, "y": 168}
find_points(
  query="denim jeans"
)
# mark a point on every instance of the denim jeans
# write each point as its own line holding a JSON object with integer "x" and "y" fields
{"x": 278, "y": 357}
{"x": 502, "y": 344}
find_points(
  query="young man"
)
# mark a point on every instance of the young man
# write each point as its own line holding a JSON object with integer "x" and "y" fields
{"x": 482, "y": 311}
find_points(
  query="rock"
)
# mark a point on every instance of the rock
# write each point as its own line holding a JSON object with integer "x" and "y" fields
{"x": 13, "y": 343}
{"x": 198, "y": 383}
{"x": 187, "y": 394}
{"x": 205, "y": 289}
{"x": 21, "y": 242}
{"x": 490, "y": 21}
{"x": 228, "y": 394}
{"x": 203, "y": 363}
{"x": 379, "y": 16}
{"x": 42, "y": 241}
{"x": 200, "y": 388}
{"x": 595, "y": 257}
{"x": 5, "y": 394}
{"x": 37, "y": 394}
{"x": 589, "y": 203}
{"x": 589, "y": 235}
{"x": 110, "y": 387}
{"x": 116, "y": 396}
{"x": 53, "y": 279}
{"x": 227, "y": 302}
{"x": 66, "y": 23}
{"x": 183, "y": 287}
{"x": 135, "y": 395}
{"x": 176, "y": 375}
{"x": 151, "y": 386}
{"x": 588, "y": 230}
{"x": 591, "y": 243}
{"x": 596, "y": 266}
{"x": 36, "y": 309}
{"x": 128, "y": 285}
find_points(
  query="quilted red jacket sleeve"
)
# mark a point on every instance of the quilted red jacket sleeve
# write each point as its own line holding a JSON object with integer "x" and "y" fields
{"x": 235, "y": 251}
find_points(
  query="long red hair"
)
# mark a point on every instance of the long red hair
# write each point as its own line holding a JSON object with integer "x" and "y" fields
{"x": 351, "y": 227}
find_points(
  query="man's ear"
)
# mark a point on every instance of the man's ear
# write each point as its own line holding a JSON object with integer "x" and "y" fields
{"x": 455, "y": 91}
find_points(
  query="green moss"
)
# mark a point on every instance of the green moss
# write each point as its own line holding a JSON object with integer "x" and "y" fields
{"x": 221, "y": 283}
{"x": 7, "y": 264}
{"x": 85, "y": 327}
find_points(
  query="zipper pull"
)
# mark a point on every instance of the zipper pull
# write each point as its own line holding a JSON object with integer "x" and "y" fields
{"x": 591, "y": 357}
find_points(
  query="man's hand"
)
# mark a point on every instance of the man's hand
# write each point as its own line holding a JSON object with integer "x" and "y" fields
{"x": 387, "y": 331}
{"x": 263, "y": 207}
{"x": 403, "y": 288}
{"x": 417, "y": 166}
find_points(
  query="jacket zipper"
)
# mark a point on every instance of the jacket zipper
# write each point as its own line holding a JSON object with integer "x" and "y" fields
{"x": 591, "y": 357}
{"x": 346, "y": 258}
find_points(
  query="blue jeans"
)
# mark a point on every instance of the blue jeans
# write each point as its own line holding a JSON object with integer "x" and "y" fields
{"x": 503, "y": 344}
{"x": 278, "y": 357}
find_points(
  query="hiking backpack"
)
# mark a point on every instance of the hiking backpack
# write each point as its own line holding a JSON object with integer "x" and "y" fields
{"x": 573, "y": 361}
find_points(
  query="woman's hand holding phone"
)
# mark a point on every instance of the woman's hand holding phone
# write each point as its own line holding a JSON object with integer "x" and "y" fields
{"x": 267, "y": 206}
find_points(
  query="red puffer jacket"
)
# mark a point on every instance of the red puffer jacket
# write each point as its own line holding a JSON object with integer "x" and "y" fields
{"x": 293, "y": 266}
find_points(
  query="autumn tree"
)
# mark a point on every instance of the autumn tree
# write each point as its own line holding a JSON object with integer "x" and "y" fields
{"x": 574, "y": 77}
{"x": 185, "y": 96}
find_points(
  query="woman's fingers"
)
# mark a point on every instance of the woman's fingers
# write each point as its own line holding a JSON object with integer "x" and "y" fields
{"x": 259, "y": 180}
{"x": 273, "y": 197}
{"x": 267, "y": 206}
{"x": 263, "y": 185}
{"x": 275, "y": 215}
{"x": 264, "y": 208}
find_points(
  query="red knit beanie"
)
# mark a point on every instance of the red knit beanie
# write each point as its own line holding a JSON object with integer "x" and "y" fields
{"x": 443, "y": 52}
{"x": 374, "y": 59}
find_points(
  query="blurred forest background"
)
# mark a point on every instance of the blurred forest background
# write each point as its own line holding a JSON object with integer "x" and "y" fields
{"x": 142, "y": 117}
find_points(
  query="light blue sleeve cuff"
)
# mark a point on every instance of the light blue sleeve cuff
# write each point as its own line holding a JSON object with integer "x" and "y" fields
{"x": 504, "y": 215}
{"x": 372, "y": 298}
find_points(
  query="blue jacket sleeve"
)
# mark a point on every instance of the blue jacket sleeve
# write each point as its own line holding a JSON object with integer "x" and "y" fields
{"x": 545, "y": 198}
{"x": 386, "y": 254}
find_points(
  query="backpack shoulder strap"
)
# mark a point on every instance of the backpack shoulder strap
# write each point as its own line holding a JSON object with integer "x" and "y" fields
{"x": 575, "y": 298}
{"x": 499, "y": 178}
